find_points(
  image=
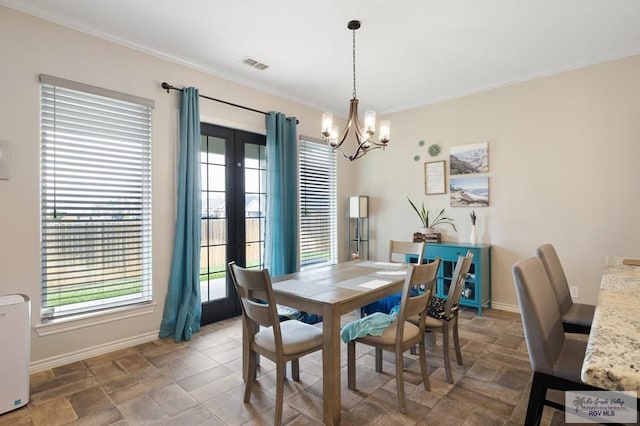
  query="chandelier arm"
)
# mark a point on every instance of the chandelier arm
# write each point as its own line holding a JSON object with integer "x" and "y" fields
{"x": 352, "y": 121}
{"x": 362, "y": 152}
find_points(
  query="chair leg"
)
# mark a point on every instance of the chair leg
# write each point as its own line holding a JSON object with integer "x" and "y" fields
{"x": 251, "y": 373}
{"x": 423, "y": 366}
{"x": 351, "y": 365}
{"x": 536, "y": 400}
{"x": 400, "y": 381}
{"x": 295, "y": 369}
{"x": 379, "y": 360}
{"x": 445, "y": 351}
{"x": 456, "y": 340}
{"x": 280, "y": 376}
{"x": 432, "y": 338}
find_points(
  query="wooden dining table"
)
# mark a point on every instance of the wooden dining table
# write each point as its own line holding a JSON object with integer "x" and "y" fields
{"x": 612, "y": 358}
{"x": 331, "y": 292}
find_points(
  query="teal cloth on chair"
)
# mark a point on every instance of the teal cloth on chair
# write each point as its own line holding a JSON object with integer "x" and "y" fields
{"x": 182, "y": 305}
{"x": 373, "y": 325}
{"x": 281, "y": 243}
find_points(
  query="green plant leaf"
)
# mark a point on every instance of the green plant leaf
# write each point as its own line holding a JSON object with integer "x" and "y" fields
{"x": 420, "y": 213}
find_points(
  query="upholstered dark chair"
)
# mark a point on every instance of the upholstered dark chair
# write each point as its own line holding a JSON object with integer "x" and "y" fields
{"x": 555, "y": 360}
{"x": 278, "y": 341}
{"x": 401, "y": 334}
{"x": 576, "y": 317}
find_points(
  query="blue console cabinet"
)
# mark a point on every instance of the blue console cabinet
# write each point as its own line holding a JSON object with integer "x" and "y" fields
{"x": 477, "y": 288}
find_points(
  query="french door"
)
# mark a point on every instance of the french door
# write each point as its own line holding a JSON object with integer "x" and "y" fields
{"x": 233, "y": 175}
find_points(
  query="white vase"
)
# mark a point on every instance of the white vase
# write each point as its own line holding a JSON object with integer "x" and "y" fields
{"x": 474, "y": 235}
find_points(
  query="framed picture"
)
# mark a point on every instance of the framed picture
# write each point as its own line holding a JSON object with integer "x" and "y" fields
{"x": 469, "y": 159}
{"x": 471, "y": 191}
{"x": 435, "y": 179}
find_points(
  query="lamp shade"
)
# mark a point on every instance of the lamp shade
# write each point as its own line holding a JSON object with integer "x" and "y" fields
{"x": 358, "y": 206}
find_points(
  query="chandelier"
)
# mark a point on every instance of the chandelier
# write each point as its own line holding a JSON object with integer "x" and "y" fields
{"x": 363, "y": 136}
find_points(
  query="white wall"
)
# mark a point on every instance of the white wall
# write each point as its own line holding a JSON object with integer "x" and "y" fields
{"x": 564, "y": 155}
{"x": 30, "y": 46}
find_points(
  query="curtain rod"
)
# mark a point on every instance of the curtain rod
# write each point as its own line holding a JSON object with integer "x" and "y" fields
{"x": 168, "y": 87}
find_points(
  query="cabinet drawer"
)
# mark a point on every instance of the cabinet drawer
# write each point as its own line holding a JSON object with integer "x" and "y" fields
{"x": 446, "y": 253}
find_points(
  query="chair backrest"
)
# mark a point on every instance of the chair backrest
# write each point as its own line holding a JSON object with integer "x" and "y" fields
{"x": 422, "y": 277}
{"x": 256, "y": 298}
{"x": 460, "y": 273}
{"x": 541, "y": 318}
{"x": 551, "y": 262}
{"x": 399, "y": 249}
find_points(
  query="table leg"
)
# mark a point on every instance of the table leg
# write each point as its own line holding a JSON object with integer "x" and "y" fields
{"x": 331, "y": 398}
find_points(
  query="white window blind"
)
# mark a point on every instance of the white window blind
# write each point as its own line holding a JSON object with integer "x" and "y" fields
{"x": 318, "y": 234}
{"x": 95, "y": 198}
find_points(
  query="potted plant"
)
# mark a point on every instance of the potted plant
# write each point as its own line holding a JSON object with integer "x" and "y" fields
{"x": 427, "y": 223}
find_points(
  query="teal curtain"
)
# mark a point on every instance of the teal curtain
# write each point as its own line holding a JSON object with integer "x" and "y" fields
{"x": 182, "y": 306}
{"x": 281, "y": 234}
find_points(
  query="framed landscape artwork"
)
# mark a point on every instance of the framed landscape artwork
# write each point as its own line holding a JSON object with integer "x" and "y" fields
{"x": 469, "y": 159}
{"x": 471, "y": 191}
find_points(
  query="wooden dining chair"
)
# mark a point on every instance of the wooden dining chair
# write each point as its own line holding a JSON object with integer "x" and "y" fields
{"x": 278, "y": 341}
{"x": 576, "y": 317}
{"x": 442, "y": 314}
{"x": 556, "y": 361}
{"x": 401, "y": 334}
{"x": 398, "y": 252}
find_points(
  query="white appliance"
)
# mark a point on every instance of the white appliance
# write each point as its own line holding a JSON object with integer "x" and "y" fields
{"x": 15, "y": 351}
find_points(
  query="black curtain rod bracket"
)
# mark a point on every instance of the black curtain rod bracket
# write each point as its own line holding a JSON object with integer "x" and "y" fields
{"x": 166, "y": 86}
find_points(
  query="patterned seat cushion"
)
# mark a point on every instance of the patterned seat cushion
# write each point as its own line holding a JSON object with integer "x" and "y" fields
{"x": 436, "y": 308}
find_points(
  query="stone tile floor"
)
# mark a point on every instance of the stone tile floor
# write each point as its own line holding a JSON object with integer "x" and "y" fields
{"x": 200, "y": 383}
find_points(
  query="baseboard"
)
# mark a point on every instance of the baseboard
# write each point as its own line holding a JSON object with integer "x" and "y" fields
{"x": 68, "y": 358}
{"x": 505, "y": 307}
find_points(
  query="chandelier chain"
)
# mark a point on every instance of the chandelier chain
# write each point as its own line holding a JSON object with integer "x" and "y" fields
{"x": 354, "y": 64}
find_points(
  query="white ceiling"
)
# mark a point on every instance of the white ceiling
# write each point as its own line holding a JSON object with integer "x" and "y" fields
{"x": 409, "y": 52}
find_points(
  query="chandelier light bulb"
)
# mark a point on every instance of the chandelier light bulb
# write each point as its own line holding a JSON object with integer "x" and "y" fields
{"x": 385, "y": 131}
{"x": 370, "y": 122}
{"x": 327, "y": 124}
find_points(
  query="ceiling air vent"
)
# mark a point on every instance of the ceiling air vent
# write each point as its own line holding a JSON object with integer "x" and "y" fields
{"x": 255, "y": 64}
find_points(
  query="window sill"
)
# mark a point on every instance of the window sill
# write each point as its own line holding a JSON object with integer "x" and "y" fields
{"x": 76, "y": 322}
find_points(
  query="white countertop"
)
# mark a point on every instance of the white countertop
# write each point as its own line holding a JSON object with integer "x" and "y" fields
{"x": 612, "y": 360}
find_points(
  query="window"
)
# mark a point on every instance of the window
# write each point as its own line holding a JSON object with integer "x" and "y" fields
{"x": 318, "y": 235}
{"x": 95, "y": 198}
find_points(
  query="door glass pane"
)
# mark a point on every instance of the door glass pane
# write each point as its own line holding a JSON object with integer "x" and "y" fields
{"x": 216, "y": 282}
{"x": 255, "y": 170}
{"x": 252, "y": 181}
{"x": 214, "y": 177}
{"x": 254, "y": 156}
{"x": 212, "y": 150}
